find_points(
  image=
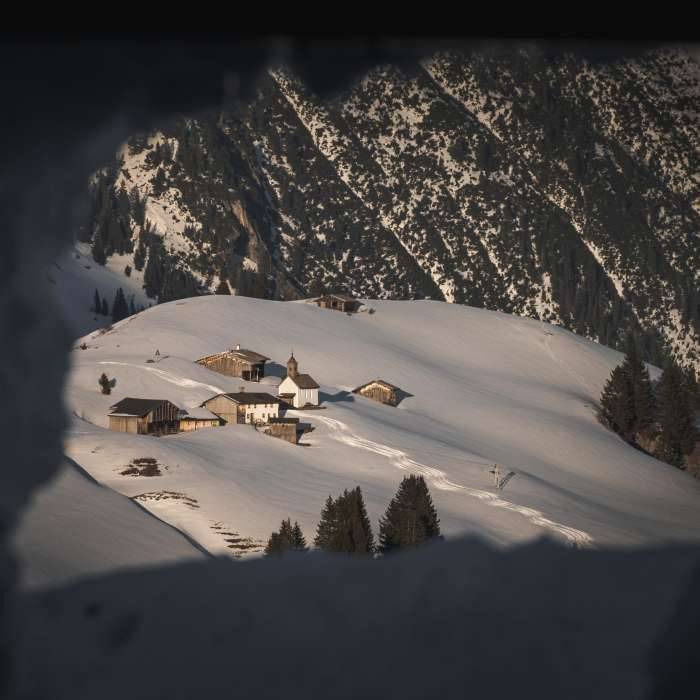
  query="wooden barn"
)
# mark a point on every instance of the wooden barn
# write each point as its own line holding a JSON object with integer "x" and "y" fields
{"x": 237, "y": 362}
{"x": 144, "y": 416}
{"x": 338, "y": 302}
{"x": 379, "y": 390}
{"x": 244, "y": 407}
{"x": 197, "y": 419}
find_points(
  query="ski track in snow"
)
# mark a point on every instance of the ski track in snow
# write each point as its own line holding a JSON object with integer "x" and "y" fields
{"x": 438, "y": 478}
{"x": 168, "y": 377}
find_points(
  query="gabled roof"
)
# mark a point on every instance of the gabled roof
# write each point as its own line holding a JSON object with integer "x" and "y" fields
{"x": 246, "y": 355}
{"x": 376, "y": 381}
{"x": 247, "y": 398}
{"x": 304, "y": 381}
{"x": 249, "y": 355}
{"x": 342, "y": 297}
{"x": 198, "y": 413}
{"x": 136, "y": 407}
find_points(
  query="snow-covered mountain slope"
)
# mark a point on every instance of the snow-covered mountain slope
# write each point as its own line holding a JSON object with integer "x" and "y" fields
{"x": 516, "y": 180}
{"x": 76, "y": 276}
{"x": 486, "y": 387}
{"x": 75, "y": 527}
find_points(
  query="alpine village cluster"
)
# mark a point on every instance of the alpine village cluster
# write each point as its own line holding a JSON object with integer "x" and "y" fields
{"x": 411, "y": 518}
{"x": 659, "y": 418}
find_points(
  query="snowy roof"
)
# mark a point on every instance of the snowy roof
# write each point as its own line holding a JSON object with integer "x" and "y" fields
{"x": 376, "y": 381}
{"x": 247, "y": 398}
{"x": 249, "y": 355}
{"x": 342, "y": 297}
{"x": 246, "y": 355}
{"x": 136, "y": 407}
{"x": 304, "y": 381}
{"x": 198, "y": 413}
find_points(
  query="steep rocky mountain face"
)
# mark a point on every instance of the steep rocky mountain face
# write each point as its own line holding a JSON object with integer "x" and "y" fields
{"x": 535, "y": 185}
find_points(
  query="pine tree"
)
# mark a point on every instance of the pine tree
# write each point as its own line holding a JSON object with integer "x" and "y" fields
{"x": 96, "y": 303}
{"x": 105, "y": 307}
{"x": 345, "y": 526}
{"x": 298, "y": 539}
{"x": 617, "y": 403}
{"x": 223, "y": 288}
{"x": 627, "y": 401}
{"x": 641, "y": 387}
{"x": 676, "y": 416}
{"x": 411, "y": 518}
{"x": 98, "y": 248}
{"x": 327, "y": 526}
{"x": 287, "y": 539}
{"x": 120, "y": 309}
{"x": 105, "y": 384}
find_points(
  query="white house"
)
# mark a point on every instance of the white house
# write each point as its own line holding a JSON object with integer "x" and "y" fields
{"x": 244, "y": 407}
{"x": 299, "y": 390}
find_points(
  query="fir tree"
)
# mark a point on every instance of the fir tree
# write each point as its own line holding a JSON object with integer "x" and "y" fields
{"x": 676, "y": 416}
{"x": 327, "y": 526}
{"x": 105, "y": 307}
{"x": 105, "y": 384}
{"x": 298, "y": 539}
{"x": 96, "y": 303}
{"x": 617, "y": 403}
{"x": 98, "y": 249}
{"x": 120, "y": 309}
{"x": 287, "y": 539}
{"x": 223, "y": 288}
{"x": 345, "y": 526}
{"x": 411, "y": 518}
{"x": 627, "y": 401}
{"x": 641, "y": 387}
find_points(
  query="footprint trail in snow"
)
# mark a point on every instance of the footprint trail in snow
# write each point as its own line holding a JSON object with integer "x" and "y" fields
{"x": 438, "y": 478}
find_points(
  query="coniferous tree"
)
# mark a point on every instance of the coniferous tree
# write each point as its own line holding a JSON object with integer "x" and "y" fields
{"x": 223, "y": 288}
{"x": 641, "y": 387}
{"x": 676, "y": 416}
{"x": 617, "y": 403}
{"x": 98, "y": 249}
{"x": 120, "y": 309}
{"x": 298, "y": 539}
{"x": 287, "y": 539}
{"x": 327, "y": 526}
{"x": 345, "y": 526}
{"x": 105, "y": 384}
{"x": 105, "y": 307}
{"x": 132, "y": 308}
{"x": 411, "y": 518}
{"x": 627, "y": 401}
{"x": 96, "y": 303}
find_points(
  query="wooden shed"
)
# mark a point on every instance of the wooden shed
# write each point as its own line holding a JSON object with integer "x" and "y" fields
{"x": 338, "y": 302}
{"x": 244, "y": 407}
{"x": 144, "y": 416}
{"x": 237, "y": 362}
{"x": 379, "y": 390}
{"x": 283, "y": 428}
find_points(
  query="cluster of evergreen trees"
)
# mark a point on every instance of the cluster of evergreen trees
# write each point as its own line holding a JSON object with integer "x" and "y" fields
{"x": 410, "y": 520}
{"x": 120, "y": 308}
{"x": 660, "y": 419}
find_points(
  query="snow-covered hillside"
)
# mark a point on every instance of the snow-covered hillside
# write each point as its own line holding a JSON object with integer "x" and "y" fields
{"x": 75, "y": 527}
{"x": 485, "y": 387}
{"x": 74, "y": 279}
